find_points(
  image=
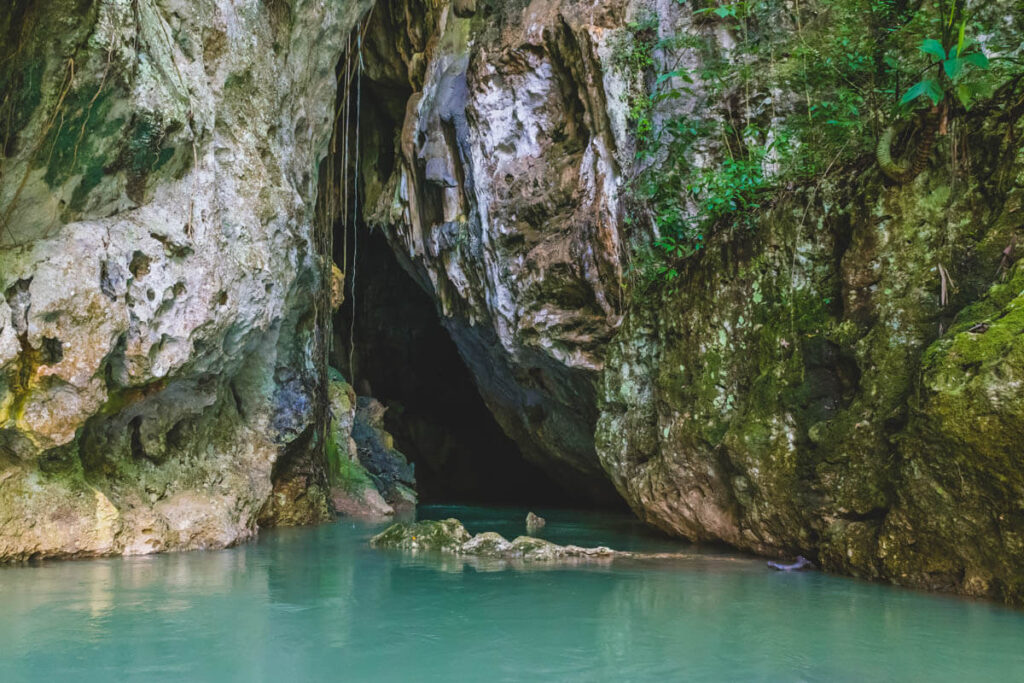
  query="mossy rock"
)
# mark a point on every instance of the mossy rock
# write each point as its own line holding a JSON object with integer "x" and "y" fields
{"x": 445, "y": 536}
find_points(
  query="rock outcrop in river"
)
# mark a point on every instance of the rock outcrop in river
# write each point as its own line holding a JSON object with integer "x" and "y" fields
{"x": 450, "y": 536}
{"x": 839, "y": 375}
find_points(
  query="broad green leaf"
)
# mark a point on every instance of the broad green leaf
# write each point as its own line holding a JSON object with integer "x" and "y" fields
{"x": 724, "y": 12}
{"x": 965, "y": 94}
{"x": 959, "y": 49}
{"x": 978, "y": 59}
{"x": 934, "y": 48}
{"x": 953, "y": 67}
{"x": 928, "y": 88}
{"x": 678, "y": 73}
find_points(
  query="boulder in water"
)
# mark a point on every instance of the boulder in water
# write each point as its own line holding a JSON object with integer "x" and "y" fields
{"x": 450, "y": 536}
{"x": 534, "y": 523}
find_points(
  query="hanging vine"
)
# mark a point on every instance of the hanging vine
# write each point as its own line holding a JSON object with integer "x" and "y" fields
{"x": 337, "y": 206}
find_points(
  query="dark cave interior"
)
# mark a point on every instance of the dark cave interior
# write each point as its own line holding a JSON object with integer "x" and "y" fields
{"x": 404, "y": 358}
{"x": 401, "y": 352}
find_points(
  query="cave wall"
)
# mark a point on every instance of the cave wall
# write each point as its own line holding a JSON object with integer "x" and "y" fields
{"x": 156, "y": 258}
{"x": 502, "y": 205}
{"x": 405, "y": 359}
{"x": 806, "y": 386}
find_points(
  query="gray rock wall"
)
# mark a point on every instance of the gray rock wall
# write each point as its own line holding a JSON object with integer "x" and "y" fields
{"x": 156, "y": 254}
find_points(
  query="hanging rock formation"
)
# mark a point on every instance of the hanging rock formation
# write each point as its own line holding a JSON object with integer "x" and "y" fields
{"x": 502, "y": 203}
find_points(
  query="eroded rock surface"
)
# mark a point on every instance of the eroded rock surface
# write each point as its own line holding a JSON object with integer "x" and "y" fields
{"x": 501, "y": 201}
{"x": 156, "y": 262}
{"x": 807, "y": 385}
{"x": 841, "y": 380}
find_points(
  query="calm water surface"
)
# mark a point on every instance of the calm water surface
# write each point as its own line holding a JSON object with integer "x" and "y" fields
{"x": 320, "y": 605}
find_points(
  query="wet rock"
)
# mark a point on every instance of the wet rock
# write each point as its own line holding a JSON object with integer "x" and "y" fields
{"x": 389, "y": 470}
{"x": 445, "y": 536}
{"x": 363, "y": 503}
{"x": 534, "y": 523}
{"x": 368, "y": 477}
{"x": 449, "y": 536}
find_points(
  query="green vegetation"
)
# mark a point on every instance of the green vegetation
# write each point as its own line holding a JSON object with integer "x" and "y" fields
{"x": 956, "y": 69}
{"x": 762, "y": 97}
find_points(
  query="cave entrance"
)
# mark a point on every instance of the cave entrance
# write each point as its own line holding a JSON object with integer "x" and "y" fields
{"x": 403, "y": 357}
{"x": 389, "y": 339}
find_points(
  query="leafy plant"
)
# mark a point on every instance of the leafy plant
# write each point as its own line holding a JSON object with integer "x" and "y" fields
{"x": 797, "y": 91}
{"x": 633, "y": 57}
{"x": 956, "y": 72}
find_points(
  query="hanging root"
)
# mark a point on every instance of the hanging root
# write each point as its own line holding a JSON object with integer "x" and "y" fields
{"x": 906, "y": 170}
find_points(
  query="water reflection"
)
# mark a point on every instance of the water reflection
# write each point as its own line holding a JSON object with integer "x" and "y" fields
{"x": 319, "y": 604}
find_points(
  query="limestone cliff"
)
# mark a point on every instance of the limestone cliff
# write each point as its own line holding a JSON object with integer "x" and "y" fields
{"x": 803, "y": 385}
{"x": 836, "y": 373}
{"x": 157, "y": 250}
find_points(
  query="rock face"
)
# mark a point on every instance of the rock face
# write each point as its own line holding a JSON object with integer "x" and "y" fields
{"x": 501, "y": 201}
{"x": 812, "y": 385}
{"x": 368, "y": 477}
{"x": 840, "y": 378}
{"x": 157, "y": 251}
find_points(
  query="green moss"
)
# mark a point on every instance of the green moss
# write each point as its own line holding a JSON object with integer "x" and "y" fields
{"x": 25, "y": 86}
{"x": 239, "y": 80}
{"x": 446, "y": 536}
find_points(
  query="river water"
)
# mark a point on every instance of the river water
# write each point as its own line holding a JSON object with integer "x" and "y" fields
{"x": 320, "y": 605}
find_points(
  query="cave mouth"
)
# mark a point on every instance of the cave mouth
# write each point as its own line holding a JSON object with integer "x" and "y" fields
{"x": 398, "y": 351}
{"x": 404, "y": 358}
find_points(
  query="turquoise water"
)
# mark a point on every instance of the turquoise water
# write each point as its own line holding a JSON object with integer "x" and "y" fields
{"x": 320, "y": 605}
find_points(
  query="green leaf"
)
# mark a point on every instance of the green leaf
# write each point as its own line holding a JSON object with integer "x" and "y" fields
{"x": 934, "y": 48}
{"x": 965, "y": 93}
{"x": 929, "y": 88}
{"x": 959, "y": 49}
{"x": 678, "y": 73}
{"x": 724, "y": 11}
{"x": 978, "y": 59}
{"x": 953, "y": 67}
